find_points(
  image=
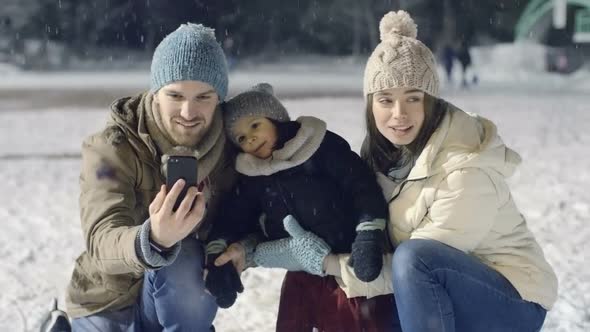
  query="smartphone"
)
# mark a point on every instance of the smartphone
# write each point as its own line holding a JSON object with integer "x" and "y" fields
{"x": 181, "y": 167}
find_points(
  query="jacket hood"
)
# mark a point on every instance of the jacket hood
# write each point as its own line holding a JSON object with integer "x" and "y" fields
{"x": 464, "y": 140}
{"x": 129, "y": 115}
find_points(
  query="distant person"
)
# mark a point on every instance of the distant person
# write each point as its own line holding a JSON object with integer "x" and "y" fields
{"x": 464, "y": 57}
{"x": 230, "y": 53}
{"x": 448, "y": 60}
{"x": 142, "y": 269}
{"x": 562, "y": 62}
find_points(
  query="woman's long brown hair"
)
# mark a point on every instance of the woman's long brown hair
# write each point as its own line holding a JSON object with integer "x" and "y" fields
{"x": 381, "y": 154}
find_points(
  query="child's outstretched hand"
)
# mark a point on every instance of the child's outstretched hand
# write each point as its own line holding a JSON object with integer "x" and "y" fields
{"x": 301, "y": 251}
{"x": 366, "y": 257}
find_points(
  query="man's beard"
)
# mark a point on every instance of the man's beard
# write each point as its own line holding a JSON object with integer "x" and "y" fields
{"x": 184, "y": 138}
{"x": 175, "y": 135}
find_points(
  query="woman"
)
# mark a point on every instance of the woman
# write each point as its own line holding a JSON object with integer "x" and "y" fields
{"x": 465, "y": 259}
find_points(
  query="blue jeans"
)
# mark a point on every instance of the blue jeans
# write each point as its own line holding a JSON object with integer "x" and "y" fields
{"x": 173, "y": 298}
{"x": 440, "y": 288}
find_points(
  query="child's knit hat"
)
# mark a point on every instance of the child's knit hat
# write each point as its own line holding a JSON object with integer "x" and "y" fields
{"x": 258, "y": 101}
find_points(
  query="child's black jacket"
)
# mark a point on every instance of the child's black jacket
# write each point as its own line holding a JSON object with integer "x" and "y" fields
{"x": 329, "y": 194}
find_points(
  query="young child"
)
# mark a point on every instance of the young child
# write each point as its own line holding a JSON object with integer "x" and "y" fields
{"x": 294, "y": 169}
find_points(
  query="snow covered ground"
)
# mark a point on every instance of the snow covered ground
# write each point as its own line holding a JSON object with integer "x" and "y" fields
{"x": 537, "y": 115}
{"x": 41, "y": 235}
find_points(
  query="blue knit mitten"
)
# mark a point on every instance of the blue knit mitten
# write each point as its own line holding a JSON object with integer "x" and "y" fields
{"x": 366, "y": 257}
{"x": 302, "y": 251}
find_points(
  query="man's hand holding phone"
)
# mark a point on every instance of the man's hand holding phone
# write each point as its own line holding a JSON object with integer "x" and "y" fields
{"x": 168, "y": 226}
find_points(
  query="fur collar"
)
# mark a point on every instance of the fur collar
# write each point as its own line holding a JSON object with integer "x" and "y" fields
{"x": 295, "y": 152}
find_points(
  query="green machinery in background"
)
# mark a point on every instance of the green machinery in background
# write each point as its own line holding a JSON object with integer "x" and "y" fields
{"x": 538, "y": 10}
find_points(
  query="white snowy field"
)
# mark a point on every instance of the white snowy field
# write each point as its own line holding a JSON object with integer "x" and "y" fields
{"x": 41, "y": 235}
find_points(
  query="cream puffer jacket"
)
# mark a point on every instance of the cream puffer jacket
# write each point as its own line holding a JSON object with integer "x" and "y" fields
{"x": 457, "y": 194}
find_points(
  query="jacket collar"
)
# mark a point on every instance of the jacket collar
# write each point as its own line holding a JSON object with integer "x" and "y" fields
{"x": 295, "y": 152}
{"x": 129, "y": 114}
{"x": 464, "y": 140}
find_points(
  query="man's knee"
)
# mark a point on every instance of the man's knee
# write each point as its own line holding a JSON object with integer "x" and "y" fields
{"x": 182, "y": 281}
{"x": 185, "y": 271}
{"x": 179, "y": 291}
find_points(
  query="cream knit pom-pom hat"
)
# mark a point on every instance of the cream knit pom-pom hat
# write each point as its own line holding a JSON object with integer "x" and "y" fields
{"x": 400, "y": 60}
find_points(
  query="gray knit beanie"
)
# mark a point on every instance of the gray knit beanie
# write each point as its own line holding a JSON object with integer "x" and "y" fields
{"x": 400, "y": 60}
{"x": 258, "y": 101}
{"x": 191, "y": 53}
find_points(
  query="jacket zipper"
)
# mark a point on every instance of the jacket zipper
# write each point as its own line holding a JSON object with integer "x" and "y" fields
{"x": 401, "y": 188}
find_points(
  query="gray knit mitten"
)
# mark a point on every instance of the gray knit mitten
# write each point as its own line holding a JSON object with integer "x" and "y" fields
{"x": 223, "y": 282}
{"x": 302, "y": 251}
{"x": 366, "y": 257}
